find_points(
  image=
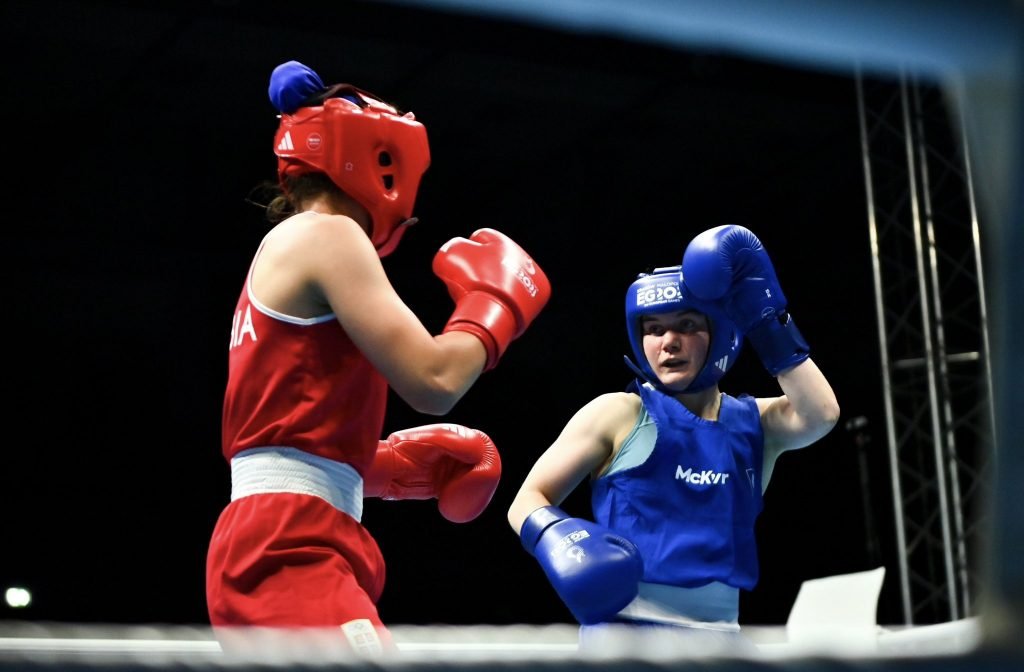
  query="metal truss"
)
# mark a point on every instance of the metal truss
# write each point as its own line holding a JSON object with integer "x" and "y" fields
{"x": 930, "y": 299}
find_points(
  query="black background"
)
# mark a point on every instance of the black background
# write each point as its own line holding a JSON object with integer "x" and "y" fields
{"x": 134, "y": 134}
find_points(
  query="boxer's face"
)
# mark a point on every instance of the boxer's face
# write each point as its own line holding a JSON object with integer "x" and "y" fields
{"x": 676, "y": 346}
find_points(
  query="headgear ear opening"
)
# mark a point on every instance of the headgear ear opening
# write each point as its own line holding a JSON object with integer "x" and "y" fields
{"x": 660, "y": 291}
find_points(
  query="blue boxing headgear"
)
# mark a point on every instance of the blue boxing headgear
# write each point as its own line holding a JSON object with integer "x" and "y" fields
{"x": 660, "y": 291}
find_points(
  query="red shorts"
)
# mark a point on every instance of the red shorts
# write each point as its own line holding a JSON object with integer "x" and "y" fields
{"x": 291, "y": 560}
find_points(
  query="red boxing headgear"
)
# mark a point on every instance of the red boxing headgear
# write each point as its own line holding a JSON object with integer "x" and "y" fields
{"x": 370, "y": 151}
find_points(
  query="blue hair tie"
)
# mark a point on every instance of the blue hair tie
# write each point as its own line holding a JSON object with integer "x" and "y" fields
{"x": 292, "y": 83}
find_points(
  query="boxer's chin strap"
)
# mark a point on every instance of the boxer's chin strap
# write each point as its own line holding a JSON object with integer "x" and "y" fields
{"x": 643, "y": 376}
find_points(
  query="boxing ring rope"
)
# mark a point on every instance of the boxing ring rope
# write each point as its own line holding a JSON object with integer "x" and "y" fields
{"x": 832, "y": 622}
{"x": 33, "y": 646}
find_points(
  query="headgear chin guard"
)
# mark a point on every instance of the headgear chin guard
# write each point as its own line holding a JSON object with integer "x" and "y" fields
{"x": 365, "y": 146}
{"x": 661, "y": 292}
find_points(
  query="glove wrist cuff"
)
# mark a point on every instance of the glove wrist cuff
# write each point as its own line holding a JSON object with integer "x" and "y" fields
{"x": 485, "y": 317}
{"x": 778, "y": 343}
{"x": 380, "y": 472}
{"x": 535, "y": 524}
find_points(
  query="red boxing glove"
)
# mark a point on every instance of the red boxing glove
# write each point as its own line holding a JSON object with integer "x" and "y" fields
{"x": 497, "y": 288}
{"x": 457, "y": 465}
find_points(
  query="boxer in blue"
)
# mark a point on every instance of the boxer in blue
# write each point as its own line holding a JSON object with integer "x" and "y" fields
{"x": 677, "y": 468}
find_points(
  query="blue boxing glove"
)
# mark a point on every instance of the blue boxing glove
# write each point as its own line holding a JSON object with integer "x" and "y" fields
{"x": 594, "y": 571}
{"x": 728, "y": 264}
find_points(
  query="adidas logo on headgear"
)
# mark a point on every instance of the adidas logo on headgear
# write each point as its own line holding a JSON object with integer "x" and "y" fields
{"x": 722, "y": 363}
{"x": 286, "y": 142}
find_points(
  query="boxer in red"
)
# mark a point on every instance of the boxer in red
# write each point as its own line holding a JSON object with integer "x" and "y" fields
{"x": 318, "y": 336}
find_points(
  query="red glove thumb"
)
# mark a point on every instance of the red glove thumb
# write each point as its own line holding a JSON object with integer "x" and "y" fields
{"x": 468, "y": 492}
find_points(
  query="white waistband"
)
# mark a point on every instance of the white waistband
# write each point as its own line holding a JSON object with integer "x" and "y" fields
{"x": 280, "y": 469}
{"x": 714, "y": 606}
